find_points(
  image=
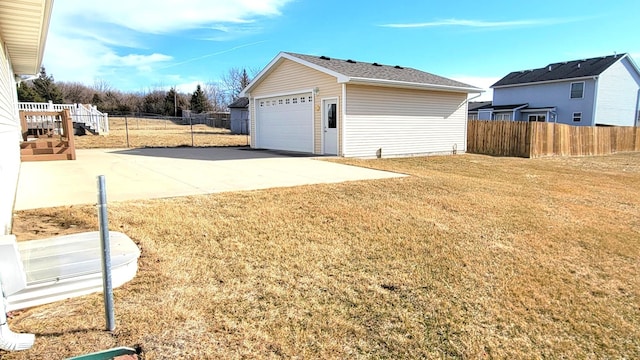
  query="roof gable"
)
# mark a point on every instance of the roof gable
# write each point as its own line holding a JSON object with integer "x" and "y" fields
{"x": 566, "y": 70}
{"x": 350, "y": 71}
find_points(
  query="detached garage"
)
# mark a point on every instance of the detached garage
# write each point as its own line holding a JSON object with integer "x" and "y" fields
{"x": 319, "y": 105}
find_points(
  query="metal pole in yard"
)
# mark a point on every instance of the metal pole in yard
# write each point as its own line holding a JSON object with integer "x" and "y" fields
{"x": 126, "y": 128}
{"x": 106, "y": 255}
{"x": 191, "y": 125}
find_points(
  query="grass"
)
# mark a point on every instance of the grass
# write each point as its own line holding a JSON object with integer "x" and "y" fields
{"x": 471, "y": 257}
{"x": 158, "y": 133}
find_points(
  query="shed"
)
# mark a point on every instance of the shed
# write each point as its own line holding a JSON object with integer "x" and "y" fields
{"x": 320, "y": 105}
{"x": 239, "y": 111}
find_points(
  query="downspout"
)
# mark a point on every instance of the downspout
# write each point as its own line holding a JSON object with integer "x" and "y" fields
{"x": 9, "y": 340}
{"x": 637, "y": 113}
{"x": 475, "y": 97}
{"x": 595, "y": 101}
{"x": 343, "y": 117}
{"x": 466, "y": 102}
{"x": 513, "y": 115}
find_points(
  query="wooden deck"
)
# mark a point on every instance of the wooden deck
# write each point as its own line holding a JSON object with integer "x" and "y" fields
{"x": 47, "y": 135}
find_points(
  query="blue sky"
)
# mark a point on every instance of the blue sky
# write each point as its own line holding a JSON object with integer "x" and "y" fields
{"x": 142, "y": 45}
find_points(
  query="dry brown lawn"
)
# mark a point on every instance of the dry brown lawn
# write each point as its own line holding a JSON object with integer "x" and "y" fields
{"x": 158, "y": 133}
{"x": 471, "y": 257}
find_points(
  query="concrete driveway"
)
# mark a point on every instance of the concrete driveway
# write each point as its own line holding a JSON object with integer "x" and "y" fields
{"x": 133, "y": 174}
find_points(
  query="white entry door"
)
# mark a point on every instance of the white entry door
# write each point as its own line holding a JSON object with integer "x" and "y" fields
{"x": 330, "y": 123}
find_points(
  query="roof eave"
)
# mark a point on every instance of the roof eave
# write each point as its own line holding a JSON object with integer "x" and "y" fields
{"x": 48, "y": 7}
{"x": 545, "y": 82}
{"x": 410, "y": 85}
{"x": 30, "y": 65}
{"x": 633, "y": 63}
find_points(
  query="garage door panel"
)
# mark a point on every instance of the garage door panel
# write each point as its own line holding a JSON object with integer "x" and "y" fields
{"x": 286, "y": 123}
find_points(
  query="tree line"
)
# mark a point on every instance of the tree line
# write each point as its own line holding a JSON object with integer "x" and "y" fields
{"x": 211, "y": 96}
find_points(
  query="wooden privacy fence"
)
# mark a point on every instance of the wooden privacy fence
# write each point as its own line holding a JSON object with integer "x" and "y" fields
{"x": 535, "y": 139}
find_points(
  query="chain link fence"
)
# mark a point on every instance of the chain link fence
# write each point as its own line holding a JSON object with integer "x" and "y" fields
{"x": 128, "y": 130}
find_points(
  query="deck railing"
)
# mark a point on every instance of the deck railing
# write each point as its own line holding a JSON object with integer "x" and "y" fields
{"x": 86, "y": 114}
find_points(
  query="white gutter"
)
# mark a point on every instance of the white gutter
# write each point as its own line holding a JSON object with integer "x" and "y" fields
{"x": 12, "y": 280}
{"x": 594, "y": 112}
{"x": 411, "y": 85}
{"x": 475, "y": 97}
{"x": 513, "y": 115}
{"x": 10, "y": 341}
{"x": 544, "y": 82}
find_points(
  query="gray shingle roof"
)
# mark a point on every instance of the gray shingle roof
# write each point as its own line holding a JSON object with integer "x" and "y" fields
{"x": 475, "y": 105}
{"x": 357, "y": 69}
{"x": 242, "y": 102}
{"x": 561, "y": 71}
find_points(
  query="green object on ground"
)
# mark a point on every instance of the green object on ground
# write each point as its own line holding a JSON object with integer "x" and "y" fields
{"x": 105, "y": 354}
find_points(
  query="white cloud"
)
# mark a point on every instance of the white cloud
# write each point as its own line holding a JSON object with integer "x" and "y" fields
{"x": 480, "y": 23}
{"x": 166, "y": 16}
{"x": 482, "y": 82}
{"x": 189, "y": 87}
{"x": 114, "y": 40}
{"x": 91, "y": 59}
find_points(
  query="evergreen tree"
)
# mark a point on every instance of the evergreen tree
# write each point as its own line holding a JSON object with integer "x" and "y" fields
{"x": 173, "y": 103}
{"x": 27, "y": 94}
{"x": 97, "y": 100}
{"x": 46, "y": 88}
{"x": 244, "y": 79}
{"x": 198, "y": 101}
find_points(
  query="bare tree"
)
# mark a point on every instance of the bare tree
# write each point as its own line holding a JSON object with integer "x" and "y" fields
{"x": 75, "y": 92}
{"x": 101, "y": 86}
{"x": 235, "y": 80}
{"x": 216, "y": 95}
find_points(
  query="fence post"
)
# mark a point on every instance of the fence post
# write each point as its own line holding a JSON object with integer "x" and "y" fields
{"x": 126, "y": 129}
{"x": 191, "y": 125}
{"x": 106, "y": 255}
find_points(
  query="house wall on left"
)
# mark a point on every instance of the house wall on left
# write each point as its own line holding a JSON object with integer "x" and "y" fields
{"x": 9, "y": 140}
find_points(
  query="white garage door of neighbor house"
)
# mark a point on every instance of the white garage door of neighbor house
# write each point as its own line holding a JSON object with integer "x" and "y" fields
{"x": 285, "y": 122}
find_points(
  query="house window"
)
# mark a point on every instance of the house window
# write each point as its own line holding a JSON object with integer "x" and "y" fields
{"x": 502, "y": 116}
{"x": 302, "y": 99}
{"x": 261, "y": 103}
{"x": 540, "y": 118}
{"x": 310, "y": 98}
{"x": 280, "y": 102}
{"x": 577, "y": 117}
{"x": 577, "y": 90}
{"x": 286, "y": 101}
{"x": 295, "y": 100}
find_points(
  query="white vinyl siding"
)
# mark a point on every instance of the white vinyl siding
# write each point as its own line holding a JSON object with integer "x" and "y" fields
{"x": 617, "y": 96}
{"x": 288, "y": 77}
{"x": 403, "y": 121}
{"x": 9, "y": 141}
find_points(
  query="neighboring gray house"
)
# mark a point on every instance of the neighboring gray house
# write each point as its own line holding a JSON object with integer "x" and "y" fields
{"x": 239, "y": 110}
{"x": 598, "y": 91}
{"x": 474, "y": 107}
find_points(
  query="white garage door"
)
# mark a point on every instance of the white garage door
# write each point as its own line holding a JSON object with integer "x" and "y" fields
{"x": 285, "y": 123}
